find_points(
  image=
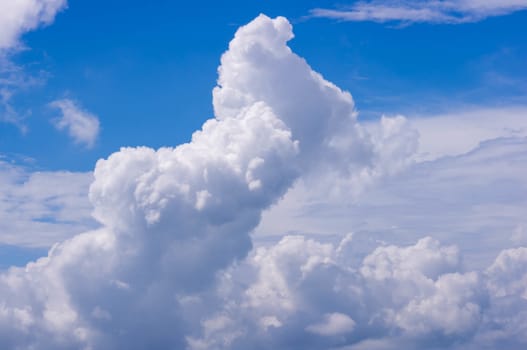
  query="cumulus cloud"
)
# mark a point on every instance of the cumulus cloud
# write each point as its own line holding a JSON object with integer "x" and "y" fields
{"x": 332, "y": 324}
{"x": 428, "y": 11}
{"x": 81, "y": 125}
{"x": 307, "y": 294}
{"x": 173, "y": 264}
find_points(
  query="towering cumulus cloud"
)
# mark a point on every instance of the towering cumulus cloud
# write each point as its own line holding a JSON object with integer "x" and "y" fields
{"x": 173, "y": 265}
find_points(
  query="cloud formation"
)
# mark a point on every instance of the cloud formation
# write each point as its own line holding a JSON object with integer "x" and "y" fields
{"x": 428, "y": 11}
{"x": 81, "y": 125}
{"x": 307, "y": 294}
{"x": 480, "y": 193}
{"x": 19, "y": 17}
{"x": 173, "y": 264}
{"x": 484, "y": 124}
{"x": 39, "y": 209}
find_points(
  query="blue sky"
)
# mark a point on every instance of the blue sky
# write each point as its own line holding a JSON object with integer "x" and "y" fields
{"x": 147, "y": 70}
{"x": 193, "y": 177}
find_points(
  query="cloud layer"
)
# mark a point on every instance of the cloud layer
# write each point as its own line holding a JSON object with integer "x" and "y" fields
{"x": 39, "y": 209}
{"x": 428, "y": 11}
{"x": 481, "y": 193}
{"x": 173, "y": 264}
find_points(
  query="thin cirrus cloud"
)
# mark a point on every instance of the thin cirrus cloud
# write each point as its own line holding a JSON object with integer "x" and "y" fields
{"x": 39, "y": 209}
{"x": 452, "y": 198}
{"x": 475, "y": 179}
{"x": 173, "y": 263}
{"x": 427, "y": 11}
{"x": 17, "y": 18}
{"x": 82, "y": 126}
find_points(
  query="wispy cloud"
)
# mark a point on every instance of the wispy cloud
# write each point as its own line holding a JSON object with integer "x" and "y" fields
{"x": 427, "y": 11}
{"x": 17, "y": 18}
{"x": 13, "y": 80}
{"x": 38, "y": 209}
{"x": 452, "y": 198}
{"x": 81, "y": 125}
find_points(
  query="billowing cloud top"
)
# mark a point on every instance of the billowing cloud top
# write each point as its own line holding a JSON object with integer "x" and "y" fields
{"x": 173, "y": 264}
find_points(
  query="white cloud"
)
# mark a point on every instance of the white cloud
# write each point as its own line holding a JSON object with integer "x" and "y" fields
{"x": 481, "y": 193}
{"x": 422, "y": 298}
{"x": 17, "y": 18}
{"x": 39, "y": 209}
{"x": 162, "y": 236}
{"x": 508, "y": 275}
{"x": 468, "y": 165}
{"x": 173, "y": 264}
{"x": 432, "y": 11}
{"x": 466, "y": 129}
{"x": 81, "y": 125}
{"x": 332, "y": 324}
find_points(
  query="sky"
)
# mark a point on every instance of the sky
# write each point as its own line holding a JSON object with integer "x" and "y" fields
{"x": 234, "y": 175}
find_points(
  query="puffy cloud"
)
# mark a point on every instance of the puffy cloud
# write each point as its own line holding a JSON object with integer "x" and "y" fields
{"x": 173, "y": 265}
{"x": 307, "y": 294}
{"x": 18, "y": 17}
{"x": 412, "y": 11}
{"x": 508, "y": 274}
{"x": 333, "y": 324}
{"x": 396, "y": 263}
{"x": 172, "y": 218}
{"x": 320, "y": 115}
{"x": 81, "y": 125}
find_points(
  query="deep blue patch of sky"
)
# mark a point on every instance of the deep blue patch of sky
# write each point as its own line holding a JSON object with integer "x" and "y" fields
{"x": 147, "y": 69}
